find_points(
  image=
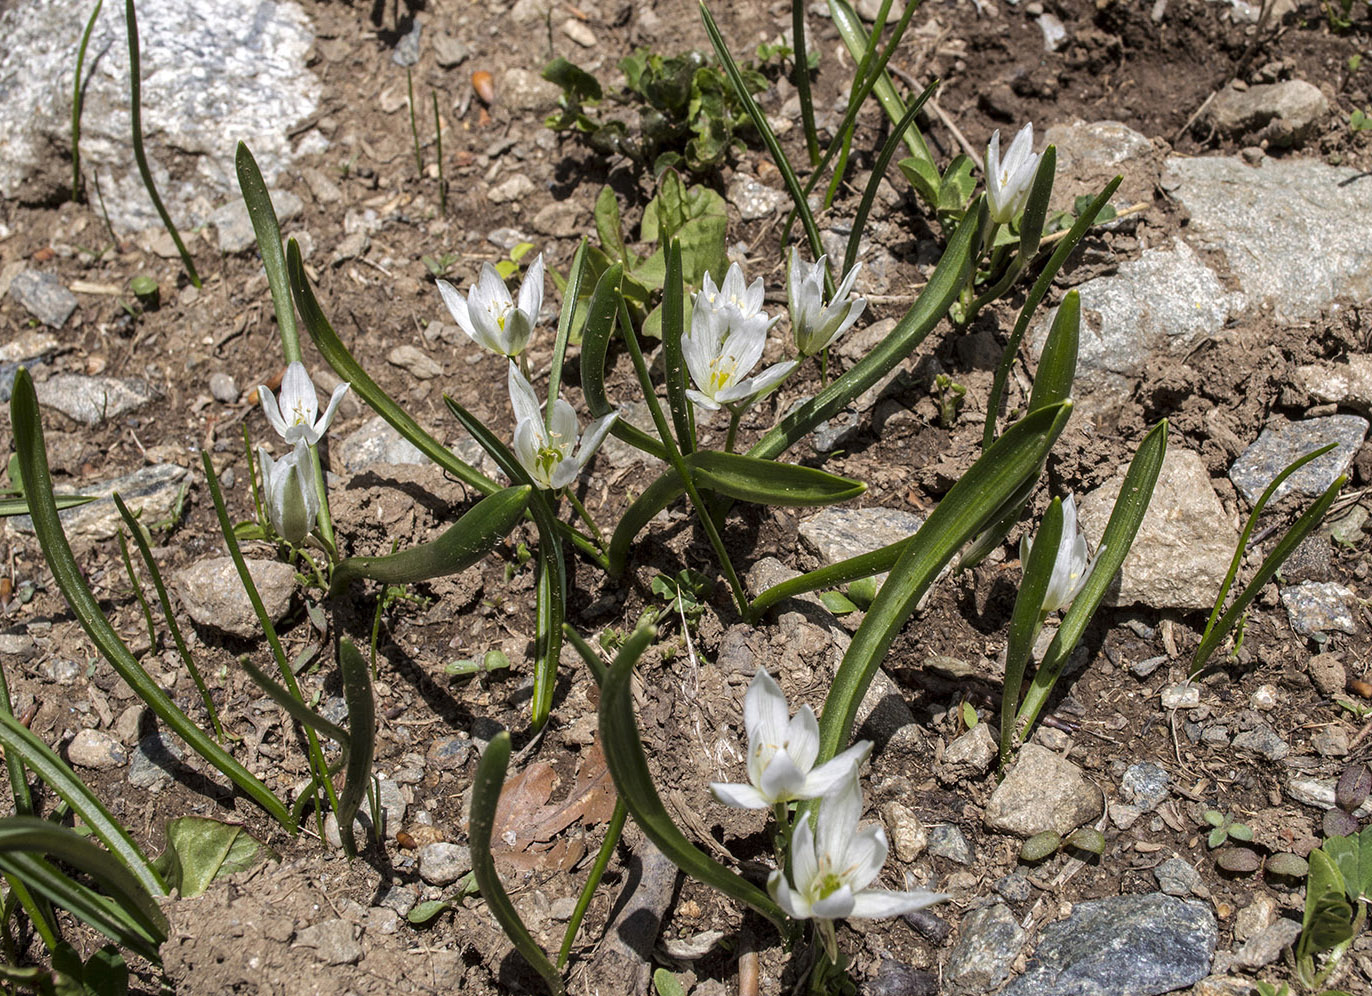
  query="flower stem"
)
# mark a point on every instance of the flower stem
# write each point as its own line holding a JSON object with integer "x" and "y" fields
{"x": 734, "y": 415}
{"x": 781, "y": 812}
{"x": 325, "y": 523}
{"x": 585, "y": 517}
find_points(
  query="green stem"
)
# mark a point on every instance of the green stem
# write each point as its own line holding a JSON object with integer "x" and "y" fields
{"x": 76, "y": 104}
{"x": 414, "y": 128}
{"x": 585, "y": 517}
{"x": 325, "y": 522}
{"x": 438, "y": 142}
{"x": 734, "y": 415}
{"x": 602, "y": 860}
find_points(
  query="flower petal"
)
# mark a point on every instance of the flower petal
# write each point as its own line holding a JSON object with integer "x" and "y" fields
{"x": 790, "y": 900}
{"x": 838, "y": 817}
{"x": 271, "y": 410}
{"x": 595, "y": 435}
{"x": 755, "y": 387}
{"x": 326, "y": 419}
{"x": 457, "y": 307}
{"x": 522, "y": 397}
{"x": 802, "y": 739}
{"x": 528, "y": 436}
{"x": 866, "y": 853}
{"x": 738, "y": 796}
{"x": 804, "y": 865}
{"x": 835, "y": 906}
{"x": 781, "y": 779}
{"x": 531, "y": 291}
{"x": 299, "y": 402}
{"x": 822, "y": 780}
{"x": 764, "y": 710}
{"x": 875, "y": 903}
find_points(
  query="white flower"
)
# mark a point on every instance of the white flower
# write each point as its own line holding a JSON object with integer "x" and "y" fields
{"x": 782, "y": 752}
{"x": 490, "y": 316}
{"x": 547, "y": 452}
{"x": 1072, "y": 567}
{"x": 815, "y": 326}
{"x": 832, "y": 866}
{"x": 295, "y": 417}
{"x": 1008, "y": 182}
{"x": 291, "y": 497}
{"x": 725, "y": 341}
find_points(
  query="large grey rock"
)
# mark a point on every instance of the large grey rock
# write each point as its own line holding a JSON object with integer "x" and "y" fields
{"x": 1166, "y": 301}
{"x": 149, "y": 492}
{"x": 234, "y": 227}
{"x": 1293, "y": 231}
{"x": 213, "y": 593}
{"x": 1139, "y": 945}
{"x": 1043, "y": 792}
{"x": 43, "y": 296}
{"x": 92, "y": 400}
{"x": 1184, "y": 544}
{"x": 1092, "y": 153}
{"x": 213, "y": 73}
{"x": 1339, "y": 383}
{"x": 1282, "y": 114}
{"x": 1280, "y": 445}
{"x": 839, "y": 533}
{"x": 377, "y": 443}
{"x": 988, "y": 943}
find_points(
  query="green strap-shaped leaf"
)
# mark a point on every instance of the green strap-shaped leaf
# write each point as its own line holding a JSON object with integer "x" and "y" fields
{"x": 673, "y": 328}
{"x": 855, "y": 38}
{"x": 53, "y": 771}
{"x": 1125, "y": 518}
{"x": 963, "y": 512}
{"x": 357, "y": 696}
{"x": 736, "y": 476}
{"x": 564, "y": 327}
{"x": 629, "y": 769}
{"x": 928, "y": 310}
{"x": 1027, "y": 619}
{"x": 462, "y": 544}
{"x": 28, "y": 439}
{"x": 18, "y": 506}
{"x": 268, "y": 231}
{"x": 490, "y": 778}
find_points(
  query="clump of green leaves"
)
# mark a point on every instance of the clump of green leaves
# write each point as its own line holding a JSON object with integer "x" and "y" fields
{"x": 1224, "y": 827}
{"x": 1359, "y": 121}
{"x": 1336, "y": 894}
{"x": 1087, "y": 840}
{"x": 674, "y": 112}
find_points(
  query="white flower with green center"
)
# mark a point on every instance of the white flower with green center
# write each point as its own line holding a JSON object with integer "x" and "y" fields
{"x": 291, "y": 496}
{"x": 548, "y": 450}
{"x": 1072, "y": 567}
{"x": 832, "y": 866}
{"x": 814, "y": 325}
{"x": 490, "y": 316}
{"x": 733, "y": 294}
{"x": 726, "y": 339}
{"x": 1008, "y": 181}
{"x": 297, "y": 416}
{"x": 782, "y": 752}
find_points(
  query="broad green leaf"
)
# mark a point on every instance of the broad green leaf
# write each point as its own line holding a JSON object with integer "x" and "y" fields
{"x": 357, "y": 696}
{"x": 1353, "y": 858}
{"x": 425, "y": 912}
{"x": 837, "y": 603}
{"x": 921, "y": 174}
{"x": 106, "y": 973}
{"x": 609, "y": 227}
{"x": 28, "y": 438}
{"x": 581, "y": 85}
{"x": 201, "y": 850}
{"x": 462, "y": 544}
{"x": 268, "y": 231}
{"x": 1036, "y": 207}
{"x": 855, "y": 38}
{"x": 666, "y": 984}
{"x": 1040, "y": 846}
{"x": 957, "y": 185}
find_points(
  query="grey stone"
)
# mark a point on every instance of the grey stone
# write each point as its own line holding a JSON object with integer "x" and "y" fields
{"x": 234, "y": 227}
{"x": 968, "y": 756}
{"x": 1184, "y": 544}
{"x": 839, "y": 533}
{"x": 1124, "y": 815}
{"x": 561, "y": 219}
{"x": 868, "y": 10}
{"x": 525, "y": 90}
{"x": 1014, "y": 887}
{"x": 400, "y": 898}
{"x": 92, "y": 400}
{"x": 407, "y": 49}
{"x": 332, "y": 940}
{"x": 449, "y": 51}
{"x": 214, "y": 596}
{"x": 1282, "y": 114}
{"x": 60, "y": 670}
{"x": 223, "y": 388}
{"x": 153, "y": 491}
{"x": 96, "y": 749}
{"x": 908, "y": 836}
{"x": 1328, "y": 674}
{"x": 1332, "y": 741}
{"x": 753, "y": 199}
{"x": 153, "y": 762}
{"x": 1136, "y": 945}
{"x": 1293, "y": 231}
{"x": 579, "y": 32}
{"x": 1145, "y": 785}
{"x": 1091, "y": 153}
{"x": 989, "y": 941}
{"x": 1280, "y": 445}
{"x": 929, "y": 925}
{"x": 895, "y": 978}
{"x": 1262, "y": 740}
{"x": 1317, "y": 607}
{"x": 1320, "y": 794}
{"x": 377, "y": 442}
{"x": 1043, "y": 792}
{"x": 1181, "y": 696}
{"x": 837, "y": 432}
{"x": 947, "y": 841}
{"x": 17, "y": 647}
{"x": 43, "y": 296}
{"x": 1177, "y": 878}
{"x": 1054, "y": 32}
{"x": 1144, "y": 668}
{"x": 1263, "y": 948}
{"x": 449, "y": 753}
{"x": 513, "y": 188}
{"x": 415, "y": 362}
{"x": 1347, "y": 383}
{"x": 563, "y": 908}
{"x": 362, "y": 829}
{"x": 442, "y": 863}
{"x": 213, "y": 73}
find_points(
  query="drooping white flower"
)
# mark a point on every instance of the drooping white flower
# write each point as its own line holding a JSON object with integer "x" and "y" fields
{"x": 491, "y": 316}
{"x": 814, "y": 325}
{"x": 291, "y": 496}
{"x": 548, "y": 450}
{"x": 782, "y": 752}
{"x": 1072, "y": 567}
{"x": 1008, "y": 181}
{"x": 294, "y": 417}
{"x": 832, "y": 866}
{"x": 725, "y": 341}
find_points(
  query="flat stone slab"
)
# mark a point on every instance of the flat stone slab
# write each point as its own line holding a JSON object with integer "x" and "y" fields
{"x": 153, "y": 490}
{"x": 839, "y": 533}
{"x": 1280, "y": 445}
{"x": 92, "y": 400}
{"x": 43, "y": 296}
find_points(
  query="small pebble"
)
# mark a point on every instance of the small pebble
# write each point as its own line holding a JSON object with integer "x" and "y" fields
{"x": 443, "y": 863}
{"x": 1183, "y": 696}
{"x": 98, "y": 750}
{"x": 1265, "y": 698}
{"x": 223, "y": 388}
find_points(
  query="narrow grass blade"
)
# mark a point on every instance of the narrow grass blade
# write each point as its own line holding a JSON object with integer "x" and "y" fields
{"x": 76, "y": 103}
{"x": 28, "y": 437}
{"x": 414, "y": 127}
{"x": 769, "y": 139}
{"x": 462, "y": 544}
{"x": 575, "y": 278}
{"x": 268, "y": 231}
{"x": 888, "y": 151}
{"x": 802, "y": 64}
{"x": 928, "y": 310}
{"x": 438, "y": 143}
{"x": 19, "y": 506}
{"x": 587, "y": 652}
{"x": 137, "y": 590}
{"x": 490, "y": 778}
{"x": 44, "y": 763}
{"x": 1113, "y": 547}
{"x": 136, "y": 116}
{"x": 1287, "y": 545}
{"x": 1031, "y": 303}
{"x": 629, "y": 769}
{"x": 1027, "y": 619}
{"x": 855, "y": 38}
{"x": 132, "y": 911}
{"x": 602, "y": 861}
{"x": 673, "y": 328}
{"x": 357, "y": 696}
{"x": 148, "y": 562}
{"x": 964, "y": 512}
